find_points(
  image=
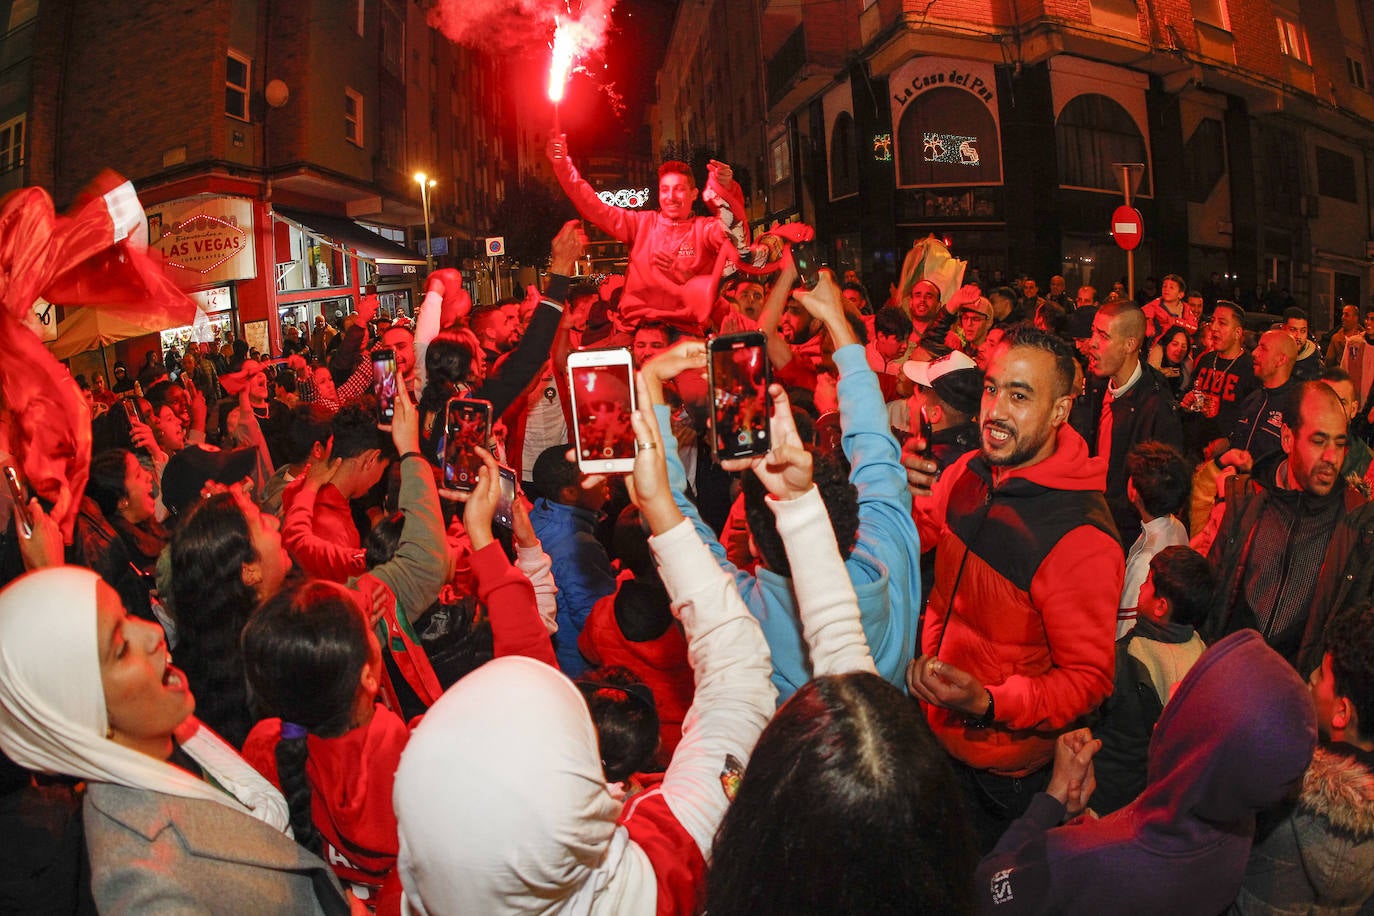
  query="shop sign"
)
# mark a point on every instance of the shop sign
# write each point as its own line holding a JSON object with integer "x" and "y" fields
{"x": 210, "y": 239}
{"x": 975, "y": 78}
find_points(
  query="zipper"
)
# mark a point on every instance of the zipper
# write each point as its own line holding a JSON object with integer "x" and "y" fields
{"x": 1284, "y": 569}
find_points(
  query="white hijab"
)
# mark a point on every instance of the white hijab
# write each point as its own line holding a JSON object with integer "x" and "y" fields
{"x": 502, "y": 804}
{"x": 52, "y": 705}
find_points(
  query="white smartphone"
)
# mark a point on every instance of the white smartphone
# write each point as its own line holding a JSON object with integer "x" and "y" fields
{"x": 603, "y": 394}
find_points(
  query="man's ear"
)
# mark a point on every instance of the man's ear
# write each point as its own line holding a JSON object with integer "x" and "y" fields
{"x": 1059, "y": 413}
{"x": 1286, "y": 439}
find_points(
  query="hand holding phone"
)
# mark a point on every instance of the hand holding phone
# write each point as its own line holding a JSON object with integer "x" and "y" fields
{"x": 603, "y": 395}
{"x": 385, "y": 384}
{"x": 19, "y": 496}
{"x": 785, "y": 471}
{"x": 483, "y": 501}
{"x": 467, "y": 428}
{"x": 740, "y": 405}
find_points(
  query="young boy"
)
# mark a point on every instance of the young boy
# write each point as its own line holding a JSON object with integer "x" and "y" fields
{"x": 1157, "y": 484}
{"x": 1150, "y": 661}
{"x": 1317, "y": 854}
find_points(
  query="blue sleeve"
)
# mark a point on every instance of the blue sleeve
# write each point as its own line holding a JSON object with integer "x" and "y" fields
{"x": 781, "y": 628}
{"x": 887, "y": 542}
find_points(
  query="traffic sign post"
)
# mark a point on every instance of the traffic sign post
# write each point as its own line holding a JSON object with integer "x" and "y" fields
{"x": 1127, "y": 226}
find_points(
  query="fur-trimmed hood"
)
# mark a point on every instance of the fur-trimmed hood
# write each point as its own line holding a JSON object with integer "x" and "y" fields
{"x": 1339, "y": 786}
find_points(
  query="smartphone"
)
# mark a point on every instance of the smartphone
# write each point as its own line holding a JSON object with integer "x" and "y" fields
{"x": 385, "y": 383}
{"x": 737, "y": 366}
{"x": 927, "y": 430}
{"x": 505, "y": 507}
{"x": 807, "y": 259}
{"x": 603, "y": 394}
{"x": 467, "y": 426}
{"x": 131, "y": 410}
{"x": 18, "y": 495}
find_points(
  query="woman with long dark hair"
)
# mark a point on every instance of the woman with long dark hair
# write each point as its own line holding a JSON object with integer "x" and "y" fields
{"x": 226, "y": 557}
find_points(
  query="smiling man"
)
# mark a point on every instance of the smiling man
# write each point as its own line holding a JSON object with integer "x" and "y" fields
{"x": 1017, "y": 644}
{"x": 1288, "y": 534}
{"x": 673, "y": 252}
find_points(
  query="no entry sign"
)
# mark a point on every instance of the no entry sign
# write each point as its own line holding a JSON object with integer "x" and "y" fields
{"x": 1127, "y": 227}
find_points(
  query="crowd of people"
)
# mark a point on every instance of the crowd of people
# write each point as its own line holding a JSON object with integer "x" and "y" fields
{"x": 1035, "y": 603}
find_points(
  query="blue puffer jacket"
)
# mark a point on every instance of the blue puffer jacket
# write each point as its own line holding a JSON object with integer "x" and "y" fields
{"x": 581, "y": 569}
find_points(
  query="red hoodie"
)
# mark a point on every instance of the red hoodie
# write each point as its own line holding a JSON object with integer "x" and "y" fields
{"x": 347, "y": 776}
{"x": 1036, "y": 572}
{"x": 661, "y": 664}
{"x": 319, "y": 532}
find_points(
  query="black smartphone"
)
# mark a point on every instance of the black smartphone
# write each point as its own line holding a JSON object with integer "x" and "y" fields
{"x": 505, "y": 507}
{"x": 467, "y": 425}
{"x": 927, "y": 431}
{"x": 385, "y": 384}
{"x": 131, "y": 410}
{"x": 807, "y": 259}
{"x": 19, "y": 496}
{"x": 740, "y": 405}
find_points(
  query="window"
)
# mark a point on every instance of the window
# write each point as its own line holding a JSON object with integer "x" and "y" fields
{"x": 1293, "y": 40}
{"x": 947, "y": 136}
{"x": 353, "y": 117}
{"x": 1093, "y": 132}
{"x": 236, "y": 73}
{"x": 393, "y": 41}
{"x": 12, "y": 144}
{"x": 1211, "y": 12}
{"x": 1335, "y": 175}
{"x": 1355, "y": 67}
{"x": 844, "y": 158}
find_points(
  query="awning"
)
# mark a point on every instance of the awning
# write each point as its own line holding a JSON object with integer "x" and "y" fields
{"x": 357, "y": 239}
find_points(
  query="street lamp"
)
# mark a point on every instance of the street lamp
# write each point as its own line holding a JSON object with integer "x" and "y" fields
{"x": 425, "y": 183}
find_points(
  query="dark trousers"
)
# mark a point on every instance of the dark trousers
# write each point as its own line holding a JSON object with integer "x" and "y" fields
{"x": 994, "y": 802}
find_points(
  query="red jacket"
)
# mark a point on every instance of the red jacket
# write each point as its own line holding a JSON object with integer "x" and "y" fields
{"x": 319, "y": 533}
{"x": 660, "y": 663}
{"x": 351, "y": 778}
{"x": 1032, "y": 558}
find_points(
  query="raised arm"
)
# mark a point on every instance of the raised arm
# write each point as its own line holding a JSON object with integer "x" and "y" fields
{"x": 729, "y": 656}
{"x": 826, "y": 603}
{"x": 529, "y": 356}
{"x": 617, "y": 221}
{"x": 417, "y": 570}
{"x": 508, "y": 596}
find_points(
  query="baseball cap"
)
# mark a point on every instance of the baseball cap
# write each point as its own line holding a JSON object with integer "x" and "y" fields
{"x": 195, "y": 466}
{"x": 982, "y": 305}
{"x": 955, "y": 378}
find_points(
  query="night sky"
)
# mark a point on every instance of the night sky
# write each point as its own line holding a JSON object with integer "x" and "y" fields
{"x": 634, "y": 51}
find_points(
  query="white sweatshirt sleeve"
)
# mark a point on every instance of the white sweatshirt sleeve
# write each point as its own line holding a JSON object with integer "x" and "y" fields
{"x": 734, "y": 696}
{"x": 826, "y": 602}
{"x": 427, "y": 320}
{"x": 538, "y": 568}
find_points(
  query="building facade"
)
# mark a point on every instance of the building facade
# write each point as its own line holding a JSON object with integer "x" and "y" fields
{"x": 999, "y": 126}
{"x": 274, "y": 145}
